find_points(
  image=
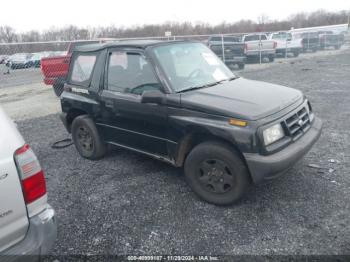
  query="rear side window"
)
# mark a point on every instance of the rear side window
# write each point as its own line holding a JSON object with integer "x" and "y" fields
{"x": 82, "y": 68}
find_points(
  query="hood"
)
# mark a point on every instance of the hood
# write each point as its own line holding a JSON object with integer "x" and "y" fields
{"x": 241, "y": 98}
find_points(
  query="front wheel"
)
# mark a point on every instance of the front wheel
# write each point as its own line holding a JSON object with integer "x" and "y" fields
{"x": 216, "y": 173}
{"x": 295, "y": 53}
{"x": 241, "y": 66}
{"x": 86, "y": 138}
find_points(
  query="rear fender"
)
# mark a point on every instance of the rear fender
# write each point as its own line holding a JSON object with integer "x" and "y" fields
{"x": 75, "y": 104}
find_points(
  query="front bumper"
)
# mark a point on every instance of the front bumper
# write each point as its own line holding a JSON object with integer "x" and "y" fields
{"x": 256, "y": 53}
{"x": 288, "y": 49}
{"x": 310, "y": 46}
{"x": 39, "y": 240}
{"x": 267, "y": 167}
{"x": 235, "y": 60}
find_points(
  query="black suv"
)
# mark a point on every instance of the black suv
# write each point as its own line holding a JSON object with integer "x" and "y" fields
{"x": 178, "y": 102}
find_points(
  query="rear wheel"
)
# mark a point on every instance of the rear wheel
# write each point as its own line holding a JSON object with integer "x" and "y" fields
{"x": 87, "y": 139}
{"x": 216, "y": 173}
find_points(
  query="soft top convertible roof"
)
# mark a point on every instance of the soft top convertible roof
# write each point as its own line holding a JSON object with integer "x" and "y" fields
{"x": 128, "y": 43}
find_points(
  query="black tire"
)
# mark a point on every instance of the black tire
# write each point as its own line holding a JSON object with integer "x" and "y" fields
{"x": 241, "y": 66}
{"x": 230, "y": 65}
{"x": 58, "y": 87}
{"x": 216, "y": 173}
{"x": 86, "y": 139}
{"x": 271, "y": 58}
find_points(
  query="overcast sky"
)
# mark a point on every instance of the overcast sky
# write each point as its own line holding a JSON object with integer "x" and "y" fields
{"x": 42, "y": 14}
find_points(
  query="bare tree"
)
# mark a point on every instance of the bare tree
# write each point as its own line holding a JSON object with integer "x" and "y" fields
{"x": 7, "y": 34}
{"x": 263, "y": 23}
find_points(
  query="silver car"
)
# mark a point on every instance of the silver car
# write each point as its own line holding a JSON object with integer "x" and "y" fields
{"x": 27, "y": 221}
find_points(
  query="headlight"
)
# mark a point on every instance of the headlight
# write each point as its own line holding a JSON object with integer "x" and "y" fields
{"x": 272, "y": 134}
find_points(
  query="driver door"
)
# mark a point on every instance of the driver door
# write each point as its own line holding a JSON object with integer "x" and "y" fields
{"x": 126, "y": 121}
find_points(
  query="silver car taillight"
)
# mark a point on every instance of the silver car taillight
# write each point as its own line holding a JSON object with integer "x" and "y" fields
{"x": 31, "y": 174}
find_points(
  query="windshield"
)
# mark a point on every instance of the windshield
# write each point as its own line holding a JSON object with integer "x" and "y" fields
{"x": 309, "y": 35}
{"x": 226, "y": 39}
{"x": 191, "y": 65}
{"x": 20, "y": 56}
{"x": 248, "y": 38}
{"x": 282, "y": 35}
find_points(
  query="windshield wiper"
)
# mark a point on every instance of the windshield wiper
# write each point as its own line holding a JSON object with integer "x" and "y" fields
{"x": 223, "y": 80}
{"x": 199, "y": 87}
{"x": 207, "y": 85}
{"x": 191, "y": 88}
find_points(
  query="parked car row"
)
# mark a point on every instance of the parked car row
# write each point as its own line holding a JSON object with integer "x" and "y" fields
{"x": 239, "y": 49}
{"x": 319, "y": 40}
{"x": 26, "y": 60}
{"x": 236, "y": 50}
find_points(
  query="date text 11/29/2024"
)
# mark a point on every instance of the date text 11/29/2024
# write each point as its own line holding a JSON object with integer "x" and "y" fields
{"x": 172, "y": 258}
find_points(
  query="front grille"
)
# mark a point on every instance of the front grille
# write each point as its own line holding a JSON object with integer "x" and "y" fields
{"x": 297, "y": 124}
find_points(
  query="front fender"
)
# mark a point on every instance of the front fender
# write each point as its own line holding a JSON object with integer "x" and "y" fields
{"x": 185, "y": 129}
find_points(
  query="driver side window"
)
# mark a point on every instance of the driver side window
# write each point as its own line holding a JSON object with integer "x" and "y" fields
{"x": 130, "y": 73}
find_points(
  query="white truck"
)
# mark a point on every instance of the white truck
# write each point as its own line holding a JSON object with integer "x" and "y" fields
{"x": 27, "y": 222}
{"x": 285, "y": 43}
{"x": 258, "y": 45}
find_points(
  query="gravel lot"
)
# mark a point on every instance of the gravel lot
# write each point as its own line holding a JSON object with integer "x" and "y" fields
{"x": 131, "y": 204}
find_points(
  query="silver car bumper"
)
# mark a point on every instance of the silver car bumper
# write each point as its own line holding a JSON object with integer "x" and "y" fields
{"x": 39, "y": 240}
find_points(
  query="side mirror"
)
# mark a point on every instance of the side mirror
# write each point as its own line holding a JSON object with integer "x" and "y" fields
{"x": 152, "y": 96}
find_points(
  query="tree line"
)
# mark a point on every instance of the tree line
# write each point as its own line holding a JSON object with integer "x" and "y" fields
{"x": 263, "y": 23}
